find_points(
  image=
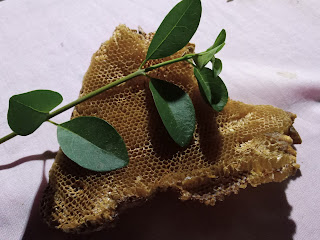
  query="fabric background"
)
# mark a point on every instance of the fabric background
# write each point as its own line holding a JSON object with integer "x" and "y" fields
{"x": 272, "y": 56}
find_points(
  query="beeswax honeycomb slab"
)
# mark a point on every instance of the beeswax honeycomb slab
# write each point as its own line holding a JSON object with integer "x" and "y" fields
{"x": 243, "y": 144}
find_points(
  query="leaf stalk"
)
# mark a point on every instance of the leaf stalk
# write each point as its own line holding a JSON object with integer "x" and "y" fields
{"x": 96, "y": 92}
{"x": 54, "y": 123}
{"x": 185, "y": 57}
{"x": 8, "y": 137}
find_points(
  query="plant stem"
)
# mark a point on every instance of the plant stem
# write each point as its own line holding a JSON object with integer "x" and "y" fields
{"x": 185, "y": 57}
{"x": 54, "y": 123}
{"x": 8, "y": 137}
{"x": 117, "y": 82}
{"x": 106, "y": 87}
{"x": 96, "y": 92}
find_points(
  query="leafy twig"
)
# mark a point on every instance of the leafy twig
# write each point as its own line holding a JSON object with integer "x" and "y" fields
{"x": 92, "y": 142}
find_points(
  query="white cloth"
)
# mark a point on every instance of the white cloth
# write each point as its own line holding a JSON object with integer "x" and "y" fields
{"x": 271, "y": 56}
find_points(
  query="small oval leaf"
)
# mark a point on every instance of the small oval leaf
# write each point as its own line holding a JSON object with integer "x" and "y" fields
{"x": 203, "y": 82}
{"x": 175, "y": 109}
{"x": 93, "y": 144}
{"x": 176, "y": 29}
{"x": 219, "y": 94}
{"x": 216, "y": 67}
{"x": 201, "y": 60}
{"x": 213, "y": 89}
{"x": 220, "y": 41}
{"x": 27, "y": 111}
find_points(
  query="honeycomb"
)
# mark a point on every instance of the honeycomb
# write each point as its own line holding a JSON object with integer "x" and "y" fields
{"x": 244, "y": 144}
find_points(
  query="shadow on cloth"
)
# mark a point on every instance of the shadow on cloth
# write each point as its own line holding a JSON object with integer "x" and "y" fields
{"x": 44, "y": 156}
{"x": 255, "y": 213}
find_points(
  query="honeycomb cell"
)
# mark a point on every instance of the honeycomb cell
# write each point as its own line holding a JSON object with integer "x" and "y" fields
{"x": 243, "y": 144}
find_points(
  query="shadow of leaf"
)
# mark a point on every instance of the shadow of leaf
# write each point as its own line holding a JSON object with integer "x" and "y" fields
{"x": 44, "y": 156}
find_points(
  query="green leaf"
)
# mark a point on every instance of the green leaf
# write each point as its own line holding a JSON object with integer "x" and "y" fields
{"x": 27, "y": 111}
{"x": 212, "y": 88}
{"x": 175, "y": 109}
{"x": 176, "y": 29}
{"x": 203, "y": 77}
{"x": 216, "y": 67}
{"x": 93, "y": 144}
{"x": 201, "y": 60}
{"x": 219, "y": 94}
{"x": 219, "y": 42}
